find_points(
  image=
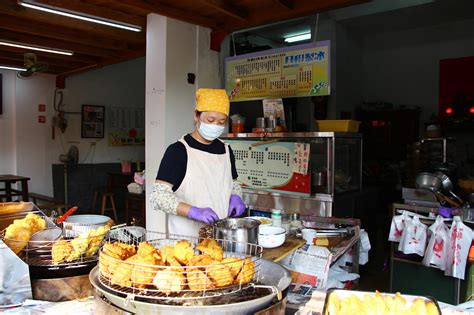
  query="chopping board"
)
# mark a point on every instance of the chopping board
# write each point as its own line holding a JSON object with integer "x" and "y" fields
{"x": 291, "y": 244}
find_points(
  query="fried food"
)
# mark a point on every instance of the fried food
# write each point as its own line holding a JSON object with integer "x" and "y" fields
{"x": 220, "y": 275}
{"x": 19, "y": 232}
{"x": 96, "y": 237}
{"x": 246, "y": 274}
{"x": 197, "y": 280}
{"x": 60, "y": 251}
{"x": 234, "y": 264}
{"x": 167, "y": 256}
{"x": 87, "y": 243}
{"x": 202, "y": 260}
{"x": 117, "y": 250}
{"x": 212, "y": 248}
{"x": 378, "y": 304}
{"x": 122, "y": 274}
{"x": 183, "y": 251}
{"x": 143, "y": 275}
{"x": 169, "y": 280}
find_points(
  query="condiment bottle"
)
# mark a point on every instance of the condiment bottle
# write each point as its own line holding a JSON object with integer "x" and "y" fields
{"x": 276, "y": 217}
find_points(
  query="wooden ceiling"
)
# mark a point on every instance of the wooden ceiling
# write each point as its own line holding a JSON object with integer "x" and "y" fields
{"x": 96, "y": 45}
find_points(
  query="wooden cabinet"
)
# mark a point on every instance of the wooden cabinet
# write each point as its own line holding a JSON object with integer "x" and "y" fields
{"x": 135, "y": 209}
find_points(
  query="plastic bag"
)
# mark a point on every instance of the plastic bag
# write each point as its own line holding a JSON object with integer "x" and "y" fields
{"x": 413, "y": 240}
{"x": 460, "y": 238}
{"x": 397, "y": 226}
{"x": 436, "y": 251}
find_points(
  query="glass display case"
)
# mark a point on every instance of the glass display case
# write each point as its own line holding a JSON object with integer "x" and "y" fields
{"x": 276, "y": 175}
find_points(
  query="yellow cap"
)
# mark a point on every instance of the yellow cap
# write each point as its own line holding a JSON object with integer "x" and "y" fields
{"x": 212, "y": 100}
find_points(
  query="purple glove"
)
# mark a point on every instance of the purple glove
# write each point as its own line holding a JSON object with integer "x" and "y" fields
{"x": 205, "y": 215}
{"x": 445, "y": 212}
{"x": 236, "y": 206}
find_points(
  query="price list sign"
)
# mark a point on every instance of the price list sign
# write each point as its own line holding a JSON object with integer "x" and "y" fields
{"x": 294, "y": 71}
{"x": 279, "y": 166}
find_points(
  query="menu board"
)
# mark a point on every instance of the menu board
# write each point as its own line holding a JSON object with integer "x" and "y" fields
{"x": 294, "y": 71}
{"x": 275, "y": 166}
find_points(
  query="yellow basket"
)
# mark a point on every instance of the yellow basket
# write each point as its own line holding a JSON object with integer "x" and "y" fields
{"x": 338, "y": 125}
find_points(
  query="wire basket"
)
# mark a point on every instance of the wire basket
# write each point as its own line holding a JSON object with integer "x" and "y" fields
{"x": 65, "y": 249}
{"x": 183, "y": 267}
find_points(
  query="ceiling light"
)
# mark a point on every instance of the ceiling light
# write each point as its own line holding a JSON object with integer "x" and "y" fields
{"x": 38, "y": 48}
{"x": 298, "y": 38}
{"x": 77, "y": 15}
{"x": 12, "y": 68}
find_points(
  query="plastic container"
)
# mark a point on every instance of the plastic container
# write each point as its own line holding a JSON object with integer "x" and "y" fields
{"x": 338, "y": 125}
{"x": 238, "y": 124}
{"x": 276, "y": 218}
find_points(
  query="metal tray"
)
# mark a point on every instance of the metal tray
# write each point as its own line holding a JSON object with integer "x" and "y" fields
{"x": 360, "y": 294}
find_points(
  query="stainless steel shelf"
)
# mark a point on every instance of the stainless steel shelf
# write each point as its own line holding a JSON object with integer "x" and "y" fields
{"x": 292, "y": 135}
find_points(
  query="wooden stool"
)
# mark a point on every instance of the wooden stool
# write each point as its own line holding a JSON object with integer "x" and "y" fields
{"x": 103, "y": 209}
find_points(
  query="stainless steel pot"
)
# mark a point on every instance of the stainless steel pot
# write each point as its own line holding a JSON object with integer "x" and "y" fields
{"x": 240, "y": 230}
{"x": 428, "y": 181}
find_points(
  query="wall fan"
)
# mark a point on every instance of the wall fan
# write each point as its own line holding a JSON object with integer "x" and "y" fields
{"x": 32, "y": 66}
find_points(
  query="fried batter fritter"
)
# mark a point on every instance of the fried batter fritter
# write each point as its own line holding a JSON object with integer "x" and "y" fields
{"x": 183, "y": 251}
{"x": 60, "y": 251}
{"x": 220, "y": 275}
{"x": 197, "y": 280}
{"x": 247, "y": 272}
{"x": 211, "y": 248}
{"x": 234, "y": 264}
{"x": 123, "y": 272}
{"x": 169, "y": 280}
{"x": 202, "y": 260}
{"x": 19, "y": 232}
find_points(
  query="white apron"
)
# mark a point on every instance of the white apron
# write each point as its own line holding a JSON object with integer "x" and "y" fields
{"x": 207, "y": 184}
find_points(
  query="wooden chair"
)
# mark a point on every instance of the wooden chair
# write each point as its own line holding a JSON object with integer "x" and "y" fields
{"x": 104, "y": 197}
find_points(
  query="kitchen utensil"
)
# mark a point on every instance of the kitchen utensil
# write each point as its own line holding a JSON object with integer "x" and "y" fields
{"x": 428, "y": 181}
{"x": 264, "y": 221}
{"x": 83, "y": 222}
{"x": 447, "y": 185}
{"x": 308, "y": 235}
{"x": 271, "y": 274}
{"x": 44, "y": 238}
{"x": 271, "y": 236}
{"x": 240, "y": 230}
{"x": 67, "y": 214}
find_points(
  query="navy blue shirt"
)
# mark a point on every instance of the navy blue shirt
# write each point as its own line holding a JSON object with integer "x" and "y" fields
{"x": 174, "y": 163}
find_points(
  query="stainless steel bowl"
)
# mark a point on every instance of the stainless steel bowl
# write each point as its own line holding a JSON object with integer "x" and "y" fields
{"x": 241, "y": 230}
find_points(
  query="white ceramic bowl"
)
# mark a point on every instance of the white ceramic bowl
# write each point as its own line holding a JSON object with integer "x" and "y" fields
{"x": 271, "y": 236}
{"x": 262, "y": 220}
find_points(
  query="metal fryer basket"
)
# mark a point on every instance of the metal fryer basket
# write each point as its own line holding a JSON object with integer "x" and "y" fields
{"x": 178, "y": 282}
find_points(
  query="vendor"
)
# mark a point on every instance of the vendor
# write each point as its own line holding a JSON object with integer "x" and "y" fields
{"x": 197, "y": 178}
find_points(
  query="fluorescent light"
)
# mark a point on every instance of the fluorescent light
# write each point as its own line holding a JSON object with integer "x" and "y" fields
{"x": 38, "y": 48}
{"x": 81, "y": 16}
{"x": 298, "y": 38}
{"x": 12, "y": 68}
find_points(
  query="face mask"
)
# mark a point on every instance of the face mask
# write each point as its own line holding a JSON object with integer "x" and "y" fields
{"x": 210, "y": 132}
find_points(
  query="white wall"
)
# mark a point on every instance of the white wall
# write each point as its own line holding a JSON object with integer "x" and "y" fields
{"x": 119, "y": 85}
{"x": 402, "y": 67}
{"x": 174, "y": 49}
{"x": 27, "y": 147}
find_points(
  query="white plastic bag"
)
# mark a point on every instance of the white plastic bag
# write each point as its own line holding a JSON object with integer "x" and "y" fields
{"x": 413, "y": 240}
{"x": 397, "y": 226}
{"x": 436, "y": 251}
{"x": 460, "y": 239}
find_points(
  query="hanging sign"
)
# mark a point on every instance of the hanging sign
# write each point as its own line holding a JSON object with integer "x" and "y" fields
{"x": 126, "y": 126}
{"x": 294, "y": 71}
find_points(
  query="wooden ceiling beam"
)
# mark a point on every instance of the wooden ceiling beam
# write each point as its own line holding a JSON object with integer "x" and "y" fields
{"x": 172, "y": 12}
{"x": 103, "y": 12}
{"x": 64, "y": 33}
{"x": 59, "y": 44}
{"x": 42, "y": 59}
{"x": 288, "y": 4}
{"x": 227, "y": 8}
{"x": 11, "y": 8}
{"x": 126, "y": 56}
{"x": 78, "y": 58}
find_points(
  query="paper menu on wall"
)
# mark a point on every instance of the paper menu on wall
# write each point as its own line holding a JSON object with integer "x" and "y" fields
{"x": 273, "y": 108}
{"x": 301, "y": 158}
{"x": 269, "y": 166}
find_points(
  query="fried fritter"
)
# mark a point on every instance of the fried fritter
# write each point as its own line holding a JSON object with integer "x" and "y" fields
{"x": 234, "y": 264}
{"x": 167, "y": 256}
{"x": 246, "y": 274}
{"x": 197, "y": 280}
{"x": 123, "y": 272}
{"x": 169, "y": 280}
{"x": 121, "y": 251}
{"x": 17, "y": 237}
{"x": 60, "y": 251}
{"x": 220, "y": 275}
{"x": 183, "y": 251}
{"x": 143, "y": 275}
{"x": 202, "y": 260}
{"x": 35, "y": 222}
{"x": 211, "y": 248}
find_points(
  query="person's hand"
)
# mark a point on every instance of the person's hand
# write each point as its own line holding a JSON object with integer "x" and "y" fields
{"x": 205, "y": 215}
{"x": 236, "y": 206}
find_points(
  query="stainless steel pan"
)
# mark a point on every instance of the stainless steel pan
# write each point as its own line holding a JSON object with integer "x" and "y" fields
{"x": 433, "y": 183}
{"x": 447, "y": 186}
